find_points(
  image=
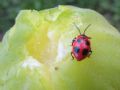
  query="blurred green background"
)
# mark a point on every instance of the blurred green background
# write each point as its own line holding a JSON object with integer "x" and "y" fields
{"x": 10, "y": 8}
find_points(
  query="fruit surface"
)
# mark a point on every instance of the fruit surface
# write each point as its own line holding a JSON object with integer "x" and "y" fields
{"x": 35, "y": 52}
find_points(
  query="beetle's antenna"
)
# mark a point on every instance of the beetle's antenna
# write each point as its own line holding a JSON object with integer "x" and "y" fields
{"x": 77, "y": 28}
{"x": 86, "y": 29}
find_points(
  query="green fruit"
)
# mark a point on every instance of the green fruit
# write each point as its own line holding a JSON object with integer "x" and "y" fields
{"x": 35, "y": 52}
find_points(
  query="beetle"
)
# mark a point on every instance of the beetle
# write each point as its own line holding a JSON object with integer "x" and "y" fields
{"x": 81, "y": 45}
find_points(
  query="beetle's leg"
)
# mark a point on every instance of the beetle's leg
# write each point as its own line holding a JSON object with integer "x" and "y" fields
{"x": 89, "y": 37}
{"x": 90, "y": 52}
{"x": 72, "y": 56}
{"x": 73, "y": 40}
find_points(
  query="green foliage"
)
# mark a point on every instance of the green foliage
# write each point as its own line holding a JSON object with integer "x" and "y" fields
{"x": 10, "y": 8}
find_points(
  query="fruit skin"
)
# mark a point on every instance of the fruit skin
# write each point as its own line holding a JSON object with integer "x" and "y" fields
{"x": 35, "y": 52}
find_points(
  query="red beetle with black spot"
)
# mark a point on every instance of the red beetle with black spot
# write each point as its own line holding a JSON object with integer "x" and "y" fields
{"x": 81, "y": 46}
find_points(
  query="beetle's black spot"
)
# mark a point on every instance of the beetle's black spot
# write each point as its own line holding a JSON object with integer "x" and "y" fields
{"x": 78, "y": 40}
{"x": 85, "y": 52}
{"x": 76, "y": 49}
{"x": 87, "y": 43}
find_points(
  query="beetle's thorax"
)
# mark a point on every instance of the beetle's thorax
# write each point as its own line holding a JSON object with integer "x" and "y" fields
{"x": 83, "y": 36}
